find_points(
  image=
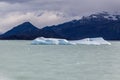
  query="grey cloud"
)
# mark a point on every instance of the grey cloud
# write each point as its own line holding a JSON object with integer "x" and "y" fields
{"x": 71, "y": 8}
{"x": 14, "y": 1}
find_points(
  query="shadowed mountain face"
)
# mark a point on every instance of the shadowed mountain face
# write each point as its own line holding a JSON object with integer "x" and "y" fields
{"x": 96, "y": 25}
{"x": 27, "y": 31}
{"x": 23, "y": 31}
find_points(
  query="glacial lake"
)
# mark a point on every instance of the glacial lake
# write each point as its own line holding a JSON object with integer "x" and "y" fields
{"x": 21, "y": 61}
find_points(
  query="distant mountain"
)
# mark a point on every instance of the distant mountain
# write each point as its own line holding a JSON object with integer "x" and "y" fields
{"x": 96, "y": 25}
{"x": 22, "y": 32}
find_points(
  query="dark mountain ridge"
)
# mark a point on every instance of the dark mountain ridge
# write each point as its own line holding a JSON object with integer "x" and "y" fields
{"x": 96, "y": 25}
{"x": 23, "y": 31}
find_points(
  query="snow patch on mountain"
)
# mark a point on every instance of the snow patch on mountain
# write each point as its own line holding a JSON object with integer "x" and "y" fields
{"x": 105, "y": 15}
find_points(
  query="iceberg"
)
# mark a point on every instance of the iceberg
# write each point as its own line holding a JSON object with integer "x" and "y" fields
{"x": 54, "y": 41}
{"x": 92, "y": 41}
{"x": 50, "y": 41}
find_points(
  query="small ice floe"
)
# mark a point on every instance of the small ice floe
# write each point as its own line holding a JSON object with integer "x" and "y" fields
{"x": 54, "y": 41}
{"x": 92, "y": 41}
{"x": 50, "y": 41}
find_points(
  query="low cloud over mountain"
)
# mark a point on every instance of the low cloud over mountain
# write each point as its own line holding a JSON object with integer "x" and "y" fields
{"x": 13, "y": 12}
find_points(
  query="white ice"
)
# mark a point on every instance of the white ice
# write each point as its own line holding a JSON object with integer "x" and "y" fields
{"x": 92, "y": 41}
{"x": 50, "y": 41}
{"x": 54, "y": 41}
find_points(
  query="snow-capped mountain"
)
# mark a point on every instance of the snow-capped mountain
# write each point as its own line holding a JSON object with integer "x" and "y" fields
{"x": 105, "y": 15}
{"x": 103, "y": 24}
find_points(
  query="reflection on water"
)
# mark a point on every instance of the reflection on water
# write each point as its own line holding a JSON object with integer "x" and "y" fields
{"x": 21, "y": 61}
{"x": 4, "y": 77}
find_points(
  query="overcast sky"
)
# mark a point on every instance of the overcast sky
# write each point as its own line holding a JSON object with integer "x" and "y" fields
{"x": 48, "y": 12}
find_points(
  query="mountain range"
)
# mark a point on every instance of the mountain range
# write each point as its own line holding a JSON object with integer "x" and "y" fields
{"x": 96, "y": 25}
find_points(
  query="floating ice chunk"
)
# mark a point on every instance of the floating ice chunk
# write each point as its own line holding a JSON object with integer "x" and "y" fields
{"x": 53, "y": 41}
{"x": 50, "y": 41}
{"x": 101, "y": 40}
{"x": 91, "y": 41}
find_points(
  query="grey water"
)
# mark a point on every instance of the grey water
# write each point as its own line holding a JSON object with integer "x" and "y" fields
{"x": 21, "y": 61}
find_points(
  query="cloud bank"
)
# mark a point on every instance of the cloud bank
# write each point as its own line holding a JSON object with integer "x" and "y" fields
{"x": 49, "y": 12}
